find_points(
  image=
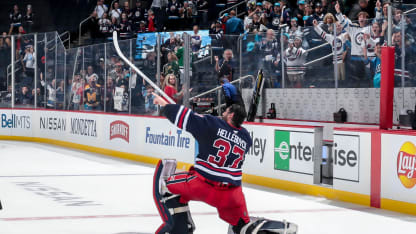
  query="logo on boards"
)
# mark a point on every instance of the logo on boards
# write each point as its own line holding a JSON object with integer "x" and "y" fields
{"x": 119, "y": 129}
{"x": 406, "y": 163}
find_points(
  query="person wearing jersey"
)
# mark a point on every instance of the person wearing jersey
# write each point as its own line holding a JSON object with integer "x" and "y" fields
{"x": 216, "y": 176}
{"x": 356, "y": 33}
{"x": 375, "y": 63}
{"x": 338, "y": 46}
{"x": 295, "y": 57}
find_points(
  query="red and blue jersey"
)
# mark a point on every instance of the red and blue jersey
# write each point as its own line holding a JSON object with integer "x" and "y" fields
{"x": 222, "y": 147}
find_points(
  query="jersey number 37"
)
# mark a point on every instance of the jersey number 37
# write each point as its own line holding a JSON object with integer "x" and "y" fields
{"x": 225, "y": 152}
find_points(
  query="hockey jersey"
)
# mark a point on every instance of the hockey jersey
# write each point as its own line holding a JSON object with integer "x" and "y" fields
{"x": 222, "y": 147}
{"x": 356, "y": 33}
{"x": 370, "y": 45}
{"x": 295, "y": 60}
{"x": 338, "y": 45}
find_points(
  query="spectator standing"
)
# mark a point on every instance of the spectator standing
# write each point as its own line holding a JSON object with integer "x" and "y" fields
{"x": 109, "y": 101}
{"x": 92, "y": 94}
{"x": 159, "y": 9}
{"x": 29, "y": 61}
{"x": 90, "y": 73}
{"x": 125, "y": 28}
{"x": 172, "y": 67}
{"x": 51, "y": 91}
{"x": 28, "y": 19}
{"x": 295, "y": 59}
{"x": 275, "y": 17}
{"x": 94, "y": 28}
{"x": 216, "y": 33}
{"x": 308, "y": 16}
{"x": 115, "y": 13}
{"x": 77, "y": 90}
{"x": 375, "y": 37}
{"x": 318, "y": 12}
{"x": 269, "y": 51}
{"x": 293, "y": 28}
{"x": 196, "y": 40}
{"x": 234, "y": 27}
{"x": 375, "y": 62}
{"x": 356, "y": 33}
{"x": 381, "y": 11}
{"x": 171, "y": 88}
{"x": 338, "y": 46}
{"x": 299, "y": 12}
{"x": 361, "y": 6}
{"x": 285, "y": 12}
{"x": 127, "y": 10}
{"x": 151, "y": 21}
{"x": 139, "y": 15}
{"x": 328, "y": 22}
{"x": 226, "y": 67}
{"x": 15, "y": 19}
{"x": 101, "y": 8}
{"x": 104, "y": 25}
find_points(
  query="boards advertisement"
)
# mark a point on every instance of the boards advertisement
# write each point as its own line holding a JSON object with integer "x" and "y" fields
{"x": 398, "y": 167}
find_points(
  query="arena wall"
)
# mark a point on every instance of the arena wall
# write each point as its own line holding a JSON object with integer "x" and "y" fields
{"x": 361, "y": 104}
{"x": 366, "y": 160}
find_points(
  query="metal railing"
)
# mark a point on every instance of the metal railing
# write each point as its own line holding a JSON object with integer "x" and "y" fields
{"x": 219, "y": 87}
{"x": 80, "y": 27}
{"x": 67, "y": 39}
{"x": 410, "y": 11}
{"x": 232, "y": 7}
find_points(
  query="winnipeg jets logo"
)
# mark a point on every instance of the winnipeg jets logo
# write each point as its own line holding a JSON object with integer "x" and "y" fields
{"x": 276, "y": 21}
{"x": 337, "y": 44}
{"x": 359, "y": 38}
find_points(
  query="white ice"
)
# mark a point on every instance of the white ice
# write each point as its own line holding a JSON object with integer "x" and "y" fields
{"x": 51, "y": 190}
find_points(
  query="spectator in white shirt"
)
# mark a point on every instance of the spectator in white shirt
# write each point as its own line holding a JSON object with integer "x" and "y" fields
{"x": 100, "y": 8}
{"x": 116, "y": 12}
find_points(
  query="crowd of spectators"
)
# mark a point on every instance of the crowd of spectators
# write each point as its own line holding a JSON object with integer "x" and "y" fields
{"x": 158, "y": 16}
{"x": 276, "y": 34}
{"x": 286, "y": 32}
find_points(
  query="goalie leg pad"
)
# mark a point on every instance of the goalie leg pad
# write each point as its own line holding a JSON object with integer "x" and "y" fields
{"x": 182, "y": 219}
{"x": 267, "y": 226}
{"x": 175, "y": 215}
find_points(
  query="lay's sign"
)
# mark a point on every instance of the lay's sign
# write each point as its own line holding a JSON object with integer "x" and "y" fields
{"x": 406, "y": 165}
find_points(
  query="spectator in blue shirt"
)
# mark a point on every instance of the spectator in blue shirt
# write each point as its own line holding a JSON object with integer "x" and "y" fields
{"x": 235, "y": 25}
{"x": 231, "y": 93}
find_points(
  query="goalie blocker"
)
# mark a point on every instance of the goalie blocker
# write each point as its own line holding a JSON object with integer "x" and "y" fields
{"x": 177, "y": 217}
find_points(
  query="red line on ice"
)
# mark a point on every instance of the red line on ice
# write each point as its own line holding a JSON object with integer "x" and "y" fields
{"x": 194, "y": 213}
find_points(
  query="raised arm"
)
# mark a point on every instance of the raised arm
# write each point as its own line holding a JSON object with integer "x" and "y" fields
{"x": 184, "y": 118}
{"x": 327, "y": 37}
